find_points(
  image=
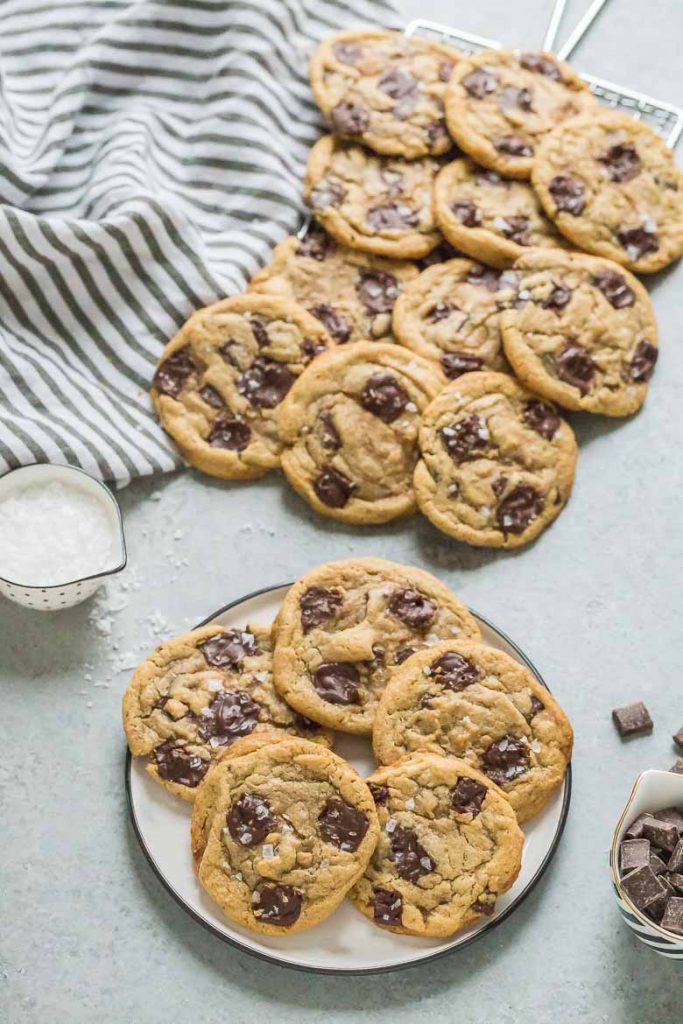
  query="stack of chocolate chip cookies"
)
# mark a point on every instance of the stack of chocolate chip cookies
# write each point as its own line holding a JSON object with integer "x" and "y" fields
{"x": 477, "y": 221}
{"x": 468, "y": 746}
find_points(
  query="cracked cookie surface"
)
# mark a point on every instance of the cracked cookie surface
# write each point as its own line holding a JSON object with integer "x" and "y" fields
{"x": 280, "y": 832}
{"x": 497, "y": 463}
{"x": 196, "y": 695}
{"x": 220, "y": 380}
{"x": 472, "y": 702}
{"x": 351, "y": 292}
{"x": 610, "y": 184}
{"x": 583, "y": 333}
{"x": 501, "y": 103}
{"x": 385, "y": 90}
{"x": 449, "y": 845}
{"x": 450, "y": 315}
{"x": 490, "y": 218}
{"x": 375, "y": 203}
{"x": 345, "y": 625}
{"x": 350, "y": 426}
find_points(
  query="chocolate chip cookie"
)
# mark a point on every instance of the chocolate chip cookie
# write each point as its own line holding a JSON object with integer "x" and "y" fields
{"x": 220, "y": 381}
{"x": 470, "y": 701}
{"x": 449, "y": 846}
{"x": 611, "y": 186}
{"x": 280, "y": 832}
{"x": 350, "y": 429}
{"x": 345, "y": 625}
{"x": 501, "y": 103}
{"x": 351, "y": 292}
{"x": 450, "y": 314}
{"x": 583, "y": 332}
{"x": 375, "y": 203}
{"x": 197, "y": 694}
{"x": 385, "y": 90}
{"x": 497, "y": 463}
{"x": 490, "y": 218}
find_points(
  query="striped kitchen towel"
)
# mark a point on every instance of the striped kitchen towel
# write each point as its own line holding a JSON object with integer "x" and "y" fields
{"x": 151, "y": 154}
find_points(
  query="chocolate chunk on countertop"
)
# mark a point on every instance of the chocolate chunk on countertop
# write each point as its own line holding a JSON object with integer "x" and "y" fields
{"x": 632, "y": 720}
{"x": 678, "y": 738}
{"x": 677, "y": 766}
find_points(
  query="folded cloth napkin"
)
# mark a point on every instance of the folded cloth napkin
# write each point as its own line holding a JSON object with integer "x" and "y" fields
{"x": 151, "y": 154}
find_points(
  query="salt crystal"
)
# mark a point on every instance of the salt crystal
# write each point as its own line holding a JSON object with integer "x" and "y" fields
{"x": 411, "y": 407}
{"x": 52, "y": 534}
{"x": 268, "y": 851}
{"x": 410, "y": 804}
{"x": 535, "y": 746}
{"x": 427, "y": 670}
{"x": 261, "y": 676}
{"x": 214, "y": 685}
{"x": 391, "y": 825}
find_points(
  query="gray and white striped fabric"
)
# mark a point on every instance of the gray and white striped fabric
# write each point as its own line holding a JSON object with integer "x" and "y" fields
{"x": 151, "y": 154}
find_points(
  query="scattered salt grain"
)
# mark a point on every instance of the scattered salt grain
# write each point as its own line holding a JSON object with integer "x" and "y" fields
{"x": 52, "y": 534}
{"x": 268, "y": 851}
{"x": 391, "y": 825}
{"x": 410, "y": 804}
{"x": 535, "y": 746}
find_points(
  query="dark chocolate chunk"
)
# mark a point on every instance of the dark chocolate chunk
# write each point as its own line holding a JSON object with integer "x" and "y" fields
{"x": 176, "y": 764}
{"x": 454, "y": 672}
{"x": 228, "y": 649}
{"x": 535, "y": 708}
{"x": 656, "y": 863}
{"x": 498, "y": 486}
{"x": 487, "y": 907}
{"x": 342, "y": 825}
{"x": 656, "y": 909}
{"x": 467, "y": 796}
{"x": 327, "y": 193}
{"x": 403, "y": 654}
{"x": 638, "y": 242}
{"x": 672, "y": 919}
{"x": 516, "y": 229}
{"x": 410, "y": 857}
{"x": 330, "y": 434}
{"x": 677, "y": 881}
{"x": 513, "y": 145}
{"x": 441, "y": 311}
{"x": 569, "y": 194}
{"x": 632, "y": 720}
{"x": 337, "y": 682}
{"x": 259, "y": 330}
{"x": 643, "y": 362}
{"x": 540, "y": 64}
{"x": 465, "y": 437}
{"x": 335, "y": 323}
{"x": 642, "y": 887}
{"x": 575, "y": 366}
{"x": 318, "y": 604}
{"x": 229, "y": 433}
{"x": 315, "y": 245}
{"x": 635, "y": 829}
{"x": 487, "y": 277}
{"x": 678, "y": 738}
{"x": 378, "y": 290}
{"x": 439, "y": 254}
{"x": 250, "y": 819}
{"x": 172, "y": 375}
{"x": 661, "y": 834}
{"x": 277, "y": 904}
{"x": 541, "y": 417}
{"x": 211, "y": 396}
{"x": 347, "y": 53}
{"x": 677, "y": 766}
{"x": 673, "y": 816}
{"x": 384, "y": 397}
{"x": 349, "y": 119}
{"x": 445, "y": 70}
{"x": 387, "y": 906}
{"x": 613, "y": 286}
{"x": 676, "y": 859}
{"x": 265, "y": 383}
{"x": 333, "y": 488}
{"x": 454, "y": 364}
{"x": 634, "y": 853}
{"x": 558, "y": 298}
{"x": 397, "y": 82}
{"x": 519, "y": 508}
{"x": 479, "y": 83}
{"x": 380, "y": 794}
{"x": 622, "y": 161}
{"x": 231, "y": 714}
{"x": 506, "y": 759}
{"x": 512, "y": 98}
{"x": 412, "y": 607}
{"x": 466, "y": 212}
{"x": 393, "y": 216}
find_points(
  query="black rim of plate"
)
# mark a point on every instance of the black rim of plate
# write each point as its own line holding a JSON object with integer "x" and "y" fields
{"x": 387, "y": 968}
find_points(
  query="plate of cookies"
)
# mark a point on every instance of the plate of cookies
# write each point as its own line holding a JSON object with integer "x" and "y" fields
{"x": 353, "y": 773}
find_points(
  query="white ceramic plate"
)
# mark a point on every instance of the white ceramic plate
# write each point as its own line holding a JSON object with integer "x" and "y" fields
{"x": 347, "y": 942}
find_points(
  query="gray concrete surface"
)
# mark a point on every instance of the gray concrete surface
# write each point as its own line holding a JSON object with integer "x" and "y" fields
{"x": 88, "y": 934}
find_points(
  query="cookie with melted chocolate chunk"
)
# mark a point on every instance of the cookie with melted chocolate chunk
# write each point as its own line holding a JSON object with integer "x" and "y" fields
{"x": 449, "y": 846}
{"x": 198, "y": 694}
{"x": 497, "y": 462}
{"x": 349, "y": 426}
{"x": 500, "y": 104}
{"x": 220, "y": 381}
{"x": 462, "y": 699}
{"x": 611, "y": 186}
{"x": 596, "y": 349}
{"x": 281, "y": 829}
{"x": 344, "y": 626}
